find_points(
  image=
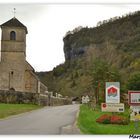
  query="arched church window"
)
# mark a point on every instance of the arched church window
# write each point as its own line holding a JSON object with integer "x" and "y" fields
{"x": 12, "y": 35}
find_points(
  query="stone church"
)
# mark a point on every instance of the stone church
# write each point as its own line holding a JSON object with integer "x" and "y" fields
{"x": 15, "y": 72}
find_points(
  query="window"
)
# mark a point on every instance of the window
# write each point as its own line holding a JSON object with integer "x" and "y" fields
{"x": 12, "y": 72}
{"x": 12, "y": 35}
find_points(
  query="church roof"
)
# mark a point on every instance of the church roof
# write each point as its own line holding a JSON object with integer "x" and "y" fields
{"x": 14, "y": 22}
{"x": 29, "y": 67}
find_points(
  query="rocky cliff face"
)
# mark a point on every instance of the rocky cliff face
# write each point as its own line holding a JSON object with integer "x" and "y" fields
{"x": 121, "y": 32}
{"x": 74, "y": 52}
{"x": 113, "y": 46}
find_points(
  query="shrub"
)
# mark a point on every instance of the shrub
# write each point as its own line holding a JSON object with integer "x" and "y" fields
{"x": 112, "y": 119}
{"x": 119, "y": 120}
{"x": 116, "y": 119}
{"x": 104, "y": 119}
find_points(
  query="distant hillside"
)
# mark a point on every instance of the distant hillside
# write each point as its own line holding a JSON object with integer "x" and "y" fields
{"x": 108, "y": 52}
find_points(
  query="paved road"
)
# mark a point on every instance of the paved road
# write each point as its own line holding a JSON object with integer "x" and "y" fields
{"x": 48, "y": 120}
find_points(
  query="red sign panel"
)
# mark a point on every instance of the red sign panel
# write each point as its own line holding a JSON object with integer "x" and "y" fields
{"x": 134, "y": 98}
{"x": 112, "y": 91}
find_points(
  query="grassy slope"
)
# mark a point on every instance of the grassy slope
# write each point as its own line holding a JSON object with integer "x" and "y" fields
{"x": 13, "y": 109}
{"x": 87, "y": 123}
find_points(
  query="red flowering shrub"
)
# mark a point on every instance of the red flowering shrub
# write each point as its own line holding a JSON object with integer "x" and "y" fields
{"x": 116, "y": 119}
{"x": 112, "y": 119}
{"x": 104, "y": 119}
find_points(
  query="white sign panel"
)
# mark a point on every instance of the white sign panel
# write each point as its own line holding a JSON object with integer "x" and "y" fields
{"x": 109, "y": 107}
{"x": 135, "y": 113}
{"x": 85, "y": 99}
{"x": 112, "y": 92}
{"x": 134, "y": 97}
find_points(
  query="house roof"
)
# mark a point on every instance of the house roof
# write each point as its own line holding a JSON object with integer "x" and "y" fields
{"x": 14, "y": 22}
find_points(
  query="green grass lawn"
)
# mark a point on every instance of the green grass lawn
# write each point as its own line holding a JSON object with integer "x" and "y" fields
{"x": 13, "y": 109}
{"x": 88, "y": 125}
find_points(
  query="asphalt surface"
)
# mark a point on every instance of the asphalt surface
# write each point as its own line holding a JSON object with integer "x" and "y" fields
{"x": 45, "y": 121}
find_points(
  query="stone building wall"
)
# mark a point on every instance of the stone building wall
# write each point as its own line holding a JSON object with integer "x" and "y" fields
{"x": 31, "y": 83}
{"x": 10, "y": 45}
{"x": 12, "y": 64}
{"x": 12, "y": 71}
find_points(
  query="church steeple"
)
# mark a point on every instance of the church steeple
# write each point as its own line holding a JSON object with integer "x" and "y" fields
{"x": 14, "y": 22}
{"x": 15, "y": 72}
{"x": 13, "y": 54}
{"x": 13, "y": 37}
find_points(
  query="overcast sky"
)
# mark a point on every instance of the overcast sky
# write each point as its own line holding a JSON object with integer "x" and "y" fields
{"x": 47, "y": 25}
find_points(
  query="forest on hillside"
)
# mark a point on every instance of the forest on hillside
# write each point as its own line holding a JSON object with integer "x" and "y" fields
{"x": 93, "y": 56}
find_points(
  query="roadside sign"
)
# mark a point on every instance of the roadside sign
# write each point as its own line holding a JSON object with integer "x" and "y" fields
{"x": 112, "y": 107}
{"x": 112, "y": 92}
{"x": 135, "y": 113}
{"x": 134, "y": 97}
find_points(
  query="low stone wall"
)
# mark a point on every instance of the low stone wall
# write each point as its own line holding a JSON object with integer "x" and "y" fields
{"x": 53, "y": 101}
{"x": 17, "y": 97}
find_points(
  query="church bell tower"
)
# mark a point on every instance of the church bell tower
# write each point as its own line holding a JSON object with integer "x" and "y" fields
{"x": 13, "y": 55}
{"x": 13, "y": 36}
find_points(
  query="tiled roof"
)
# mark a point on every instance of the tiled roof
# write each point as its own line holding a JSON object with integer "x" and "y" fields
{"x": 14, "y": 23}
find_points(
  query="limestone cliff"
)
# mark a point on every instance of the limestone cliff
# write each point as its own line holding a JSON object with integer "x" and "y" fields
{"x": 115, "y": 41}
{"x": 122, "y": 32}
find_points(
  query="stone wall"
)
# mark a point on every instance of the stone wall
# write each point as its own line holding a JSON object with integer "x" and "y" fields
{"x": 16, "y": 97}
{"x": 53, "y": 101}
